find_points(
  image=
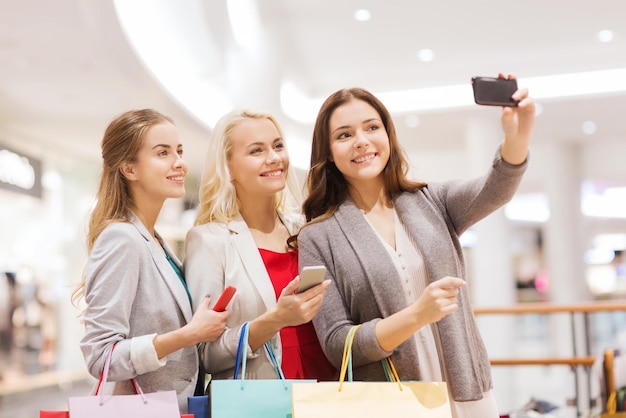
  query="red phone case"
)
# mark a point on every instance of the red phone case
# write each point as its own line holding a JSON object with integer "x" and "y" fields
{"x": 225, "y": 297}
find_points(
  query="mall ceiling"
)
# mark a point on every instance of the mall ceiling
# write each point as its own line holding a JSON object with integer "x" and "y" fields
{"x": 66, "y": 67}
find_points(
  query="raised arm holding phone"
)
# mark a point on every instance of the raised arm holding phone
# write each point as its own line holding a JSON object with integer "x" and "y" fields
{"x": 391, "y": 247}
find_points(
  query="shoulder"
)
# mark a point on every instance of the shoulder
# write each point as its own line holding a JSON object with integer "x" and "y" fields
{"x": 122, "y": 235}
{"x": 211, "y": 234}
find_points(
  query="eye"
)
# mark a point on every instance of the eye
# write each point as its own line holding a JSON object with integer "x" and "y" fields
{"x": 162, "y": 153}
{"x": 344, "y": 135}
{"x": 180, "y": 152}
{"x": 256, "y": 150}
{"x": 373, "y": 127}
{"x": 279, "y": 145}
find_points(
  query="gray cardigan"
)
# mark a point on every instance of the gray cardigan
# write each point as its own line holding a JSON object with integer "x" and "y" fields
{"x": 366, "y": 286}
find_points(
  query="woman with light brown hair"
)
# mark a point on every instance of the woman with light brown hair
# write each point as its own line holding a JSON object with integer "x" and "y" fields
{"x": 136, "y": 295}
{"x": 391, "y": 248}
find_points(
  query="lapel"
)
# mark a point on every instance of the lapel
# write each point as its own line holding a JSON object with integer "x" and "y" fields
{"x": 372, "y": 256}
{"x": 251, "y": 260}
{"x": 168, "y": 275}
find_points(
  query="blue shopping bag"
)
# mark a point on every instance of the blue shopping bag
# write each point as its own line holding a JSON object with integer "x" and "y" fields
{"x": 258, "y": 398}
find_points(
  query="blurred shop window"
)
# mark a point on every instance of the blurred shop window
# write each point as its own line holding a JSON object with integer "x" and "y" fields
{"x": 606, "y": 266}
{"x": 28, "y": 335}
{"x": 603, "y": 199}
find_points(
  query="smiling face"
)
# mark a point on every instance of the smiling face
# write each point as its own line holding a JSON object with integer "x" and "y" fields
{"x": 158, "y": 171}
{"x": 359, "y": 144}
{"x": 258, "y": 160}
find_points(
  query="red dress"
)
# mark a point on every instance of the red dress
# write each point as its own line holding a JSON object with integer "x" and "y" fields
{"x": 303, "y": 357}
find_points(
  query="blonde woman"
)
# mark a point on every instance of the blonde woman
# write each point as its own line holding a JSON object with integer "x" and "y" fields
{"x": 244, "y": 238}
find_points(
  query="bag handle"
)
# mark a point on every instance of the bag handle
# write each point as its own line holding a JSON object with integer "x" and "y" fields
{"x": 242, "y": 356}
{"x": 346, "y": 362}
{"x": 104, "y": 377}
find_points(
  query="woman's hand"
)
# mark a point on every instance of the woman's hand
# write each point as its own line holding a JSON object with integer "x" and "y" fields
{"x": 438, "y": 300}
{"x": 517, "y": 124}
{"x": 299, "y": 308}
{"x": 206, "y": 324}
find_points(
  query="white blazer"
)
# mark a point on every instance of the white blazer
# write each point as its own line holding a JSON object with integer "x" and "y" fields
{"x": 218, "y": 255}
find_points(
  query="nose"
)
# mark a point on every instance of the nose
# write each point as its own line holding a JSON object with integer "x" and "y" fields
{"x": 179, "y": 161}
{"x": 272, "y": 157}
{"x": 361, "y": 140}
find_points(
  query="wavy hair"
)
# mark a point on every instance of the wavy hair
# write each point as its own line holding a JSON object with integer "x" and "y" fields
{"x": 326, "y": 186}
{"x": 121, "y": 141}
{"x": 217, "y": 196}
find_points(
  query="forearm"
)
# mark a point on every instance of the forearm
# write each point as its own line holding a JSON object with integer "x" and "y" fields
{"x": 172, "y": 341}
{"x": 515, "y": 151}
{"x": 397, "y": 328}
{"x": 263, "y": 328}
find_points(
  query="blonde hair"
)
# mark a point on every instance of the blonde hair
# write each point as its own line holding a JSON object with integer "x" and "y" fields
{"x": 121, "y": 141}
{"x": 217, "y": 196}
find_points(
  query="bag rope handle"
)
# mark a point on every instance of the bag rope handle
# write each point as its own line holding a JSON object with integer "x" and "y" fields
{"x": 346, "y": 362}
{"x": 242, "y": 357}
{"x": 104, "y": 376}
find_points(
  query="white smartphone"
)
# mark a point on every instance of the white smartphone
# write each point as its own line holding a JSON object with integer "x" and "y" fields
{"x": 311, "y": 276}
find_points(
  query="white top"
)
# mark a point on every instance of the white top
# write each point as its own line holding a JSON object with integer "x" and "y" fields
{"x": 410, "y": 266}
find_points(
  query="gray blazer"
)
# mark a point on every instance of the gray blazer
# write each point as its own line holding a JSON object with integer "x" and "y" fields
{"x": 218, "y": 255}
{"x": 366, "y": 286}
{"x": 133, "y": 294}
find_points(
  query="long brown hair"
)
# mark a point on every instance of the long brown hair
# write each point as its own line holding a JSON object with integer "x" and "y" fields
{"x": 326, "y": 186}
{"x": 121, "y": 141}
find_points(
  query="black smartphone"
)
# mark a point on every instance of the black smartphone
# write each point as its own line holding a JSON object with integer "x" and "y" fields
{"x": 494, "y": 91}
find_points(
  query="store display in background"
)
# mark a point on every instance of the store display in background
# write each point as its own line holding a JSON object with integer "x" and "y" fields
{"x": 28, "y": 326}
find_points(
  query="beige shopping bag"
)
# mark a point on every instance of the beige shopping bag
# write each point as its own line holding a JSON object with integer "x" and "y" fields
{"x": 370, "y": 399}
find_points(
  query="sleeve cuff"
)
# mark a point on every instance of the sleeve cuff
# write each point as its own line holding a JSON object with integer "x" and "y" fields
{"x": 143, "y": 355}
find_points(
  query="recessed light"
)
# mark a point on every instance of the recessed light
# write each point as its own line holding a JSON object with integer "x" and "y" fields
{"x": 605, "y": 35}
{"x": 426, "y": 55}
{"x": 589, "y": 127}
{"x": 362, "y": 15}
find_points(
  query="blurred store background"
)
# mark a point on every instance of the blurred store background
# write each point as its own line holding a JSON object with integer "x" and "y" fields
{"x": 67, "y": 67}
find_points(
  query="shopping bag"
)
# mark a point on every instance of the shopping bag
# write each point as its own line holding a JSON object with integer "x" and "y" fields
{"x": 370, "y": 399}
{"x": 245, "y": 398}
{"x": 140, "y": 405}
{"x": 53, "y": 414}
{"x": 199, "y": 406}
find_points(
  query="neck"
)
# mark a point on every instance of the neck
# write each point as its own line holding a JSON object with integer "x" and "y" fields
{"x": 147, "y": 214}
{"x": 373, "y": 197}
{"x": 261, "y": 216}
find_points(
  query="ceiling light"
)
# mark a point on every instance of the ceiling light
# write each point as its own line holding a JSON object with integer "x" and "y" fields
{"x": 426, "y": 55}
{"x": 303, "y": 109}
{"x": 362, "y": 15}
{"x": 589, "y": 127}
{"x": 605, "y": 35}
